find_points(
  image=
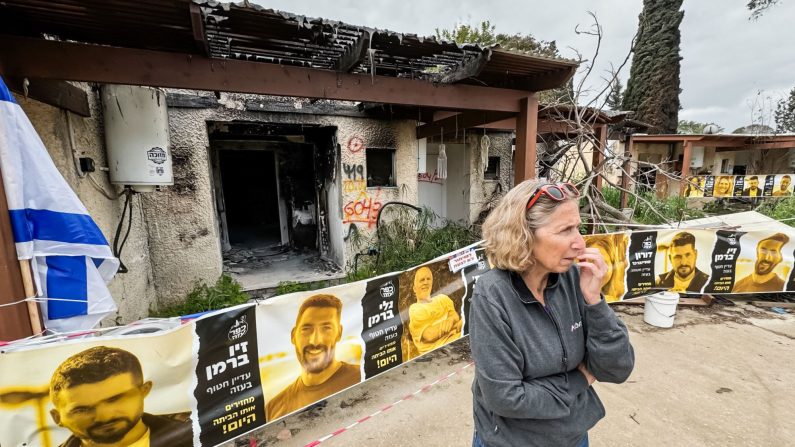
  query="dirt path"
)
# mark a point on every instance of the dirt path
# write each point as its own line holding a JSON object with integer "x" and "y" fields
{"x": 721, "y": 376}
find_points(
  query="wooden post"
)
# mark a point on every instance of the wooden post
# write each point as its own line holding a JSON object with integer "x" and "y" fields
{"x": 685, "y": 166}
{"x": 526, "y": 129}
{"x": 628, "y": 143}
{"x": 598, "y": 152}
{"x": 36, "y": 322}
{"x": 15, "y": 322}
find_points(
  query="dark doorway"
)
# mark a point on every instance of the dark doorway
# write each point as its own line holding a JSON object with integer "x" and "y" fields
{"x": 278, "y": 201}
{"x": 248, "y": 179}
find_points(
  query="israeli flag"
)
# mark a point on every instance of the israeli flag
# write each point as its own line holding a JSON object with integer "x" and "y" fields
{"x": 71, "y": 258}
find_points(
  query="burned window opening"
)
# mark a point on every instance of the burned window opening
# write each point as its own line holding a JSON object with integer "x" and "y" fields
{"x": 380, "y": 167}
{"x": 492, "y": 171}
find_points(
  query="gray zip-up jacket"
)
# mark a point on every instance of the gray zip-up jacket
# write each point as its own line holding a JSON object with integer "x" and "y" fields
{"x": 527, "y": 389}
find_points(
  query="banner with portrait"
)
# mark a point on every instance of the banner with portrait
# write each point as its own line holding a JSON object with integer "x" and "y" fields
{"x": 696, "y": 261}
{"x": 213, "y": 379}
{"x": 218, "y": 377}
{"x": 749, "y": 186}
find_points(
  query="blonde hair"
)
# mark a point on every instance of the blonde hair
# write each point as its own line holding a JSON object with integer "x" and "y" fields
{"x": 509, "y": 230}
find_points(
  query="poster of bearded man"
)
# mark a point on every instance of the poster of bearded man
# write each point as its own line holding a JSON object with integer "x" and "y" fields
{"x": 765, "y": 262}
{"x": 310, "y": 346}
{"x": 682, "y": 263}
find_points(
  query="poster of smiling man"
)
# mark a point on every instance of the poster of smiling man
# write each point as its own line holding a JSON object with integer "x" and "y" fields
{"x": 430, "y": 307}
{"x": 310, "y": 346}
{"x": 128, "y": 391}
{"x": 764, "y": 263}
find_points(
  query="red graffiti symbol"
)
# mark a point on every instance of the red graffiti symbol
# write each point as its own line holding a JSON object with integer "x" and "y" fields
{"x": 429, "y": 178}
{"x": 355, "y": 144}
{"x": 364, "y": 209}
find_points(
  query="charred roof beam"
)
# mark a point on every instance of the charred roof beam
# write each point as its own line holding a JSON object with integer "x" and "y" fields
{"x": 197, "y": 24}
{"x": 355, "y": 53}
{"x": 468, "y": 68}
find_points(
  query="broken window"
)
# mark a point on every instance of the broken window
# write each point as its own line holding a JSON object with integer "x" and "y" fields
{"x": 492, "y": 171}
{"x": 380, "y": 167}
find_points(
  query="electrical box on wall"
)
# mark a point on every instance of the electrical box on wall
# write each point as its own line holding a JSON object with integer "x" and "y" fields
{"x": 136, "y": 136}
{"x": 697, "y": 157}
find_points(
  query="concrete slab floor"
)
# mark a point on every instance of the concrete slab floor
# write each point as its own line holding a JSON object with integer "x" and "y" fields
{"x": 265, "y": 267}
{"x": 721, "y": 376}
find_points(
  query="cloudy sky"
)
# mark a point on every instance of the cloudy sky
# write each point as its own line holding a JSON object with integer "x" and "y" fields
{"x": 733, "y": 72}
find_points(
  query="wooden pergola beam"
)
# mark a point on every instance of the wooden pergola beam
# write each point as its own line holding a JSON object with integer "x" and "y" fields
{"x": 112, "y": 65}
{"x": 526, "y": 125}
{"x": 55, "y": 93}
{"x": 761, "y": 146}
{"x": 460, "y": 121}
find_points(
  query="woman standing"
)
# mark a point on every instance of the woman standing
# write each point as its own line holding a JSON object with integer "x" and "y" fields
{"x": 540, "y": 331}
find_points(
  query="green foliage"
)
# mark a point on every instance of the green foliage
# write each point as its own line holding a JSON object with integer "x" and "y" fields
{"x": 409, "y": 239}
{"x": 616, "y": 95}
{"x": 225, "y": 293}
{"x": 286, "y": 287}
{"x": 694, "y": 127}
{"x": 758, "y": 7}
{"x": 653, "y": 86}
{"x": 785, "y": 114}
{"x": 484, "y": 34}
{"x": 779, "y": 209}
{"x": 463, "y": 33}
{"x": 673, "y": 209}
{"x": 754, "y": 129}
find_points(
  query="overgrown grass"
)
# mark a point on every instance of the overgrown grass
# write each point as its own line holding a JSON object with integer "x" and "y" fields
{"x": 286, "y": 287}
{"x": 779, "y": 209}
{"x": 225, "y": 292}
{"x": 656, "y": 211}
{"x": 407, "y": 239}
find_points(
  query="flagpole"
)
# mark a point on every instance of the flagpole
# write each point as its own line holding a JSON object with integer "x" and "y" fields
{"x": 30, "y": 292}
{"x": 14, "y": 320}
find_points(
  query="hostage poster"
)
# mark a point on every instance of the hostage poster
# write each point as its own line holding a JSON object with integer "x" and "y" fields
{"x": 748, "y": 186}
{"x": 695, "y": 261}
{"x": 211, "y": 380}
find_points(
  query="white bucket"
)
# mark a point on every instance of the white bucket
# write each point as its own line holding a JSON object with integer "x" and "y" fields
{"x": 660, "y": 309}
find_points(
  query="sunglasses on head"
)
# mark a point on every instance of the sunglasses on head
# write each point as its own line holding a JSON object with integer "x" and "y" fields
{"x": 555, "y": 191}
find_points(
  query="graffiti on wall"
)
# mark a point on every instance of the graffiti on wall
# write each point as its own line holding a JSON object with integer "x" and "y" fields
{"x": 363, "y": 209}
{"x": 354, "y": 179}
{"x": 355, "y": 144}
{"x": 354, "y": 186}
{"x": 429, "y": 178}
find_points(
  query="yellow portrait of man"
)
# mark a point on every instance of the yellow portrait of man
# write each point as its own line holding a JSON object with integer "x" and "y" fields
{"x": 433, "y": 320}
{"x": 317, "y": 330}
{"x": 612, "y": 247}
{"x": 98, "y": 395}
{"x": 764, "y": 277}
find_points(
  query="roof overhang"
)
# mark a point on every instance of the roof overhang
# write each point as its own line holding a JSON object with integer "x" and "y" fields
{"x": 723, "y": 142}
{"x": 242, "y": 48}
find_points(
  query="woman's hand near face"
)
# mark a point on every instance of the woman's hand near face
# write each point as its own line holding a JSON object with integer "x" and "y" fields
{"x": 592, "y": 271}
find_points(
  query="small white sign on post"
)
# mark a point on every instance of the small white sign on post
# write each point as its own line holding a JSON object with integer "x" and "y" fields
{"x": 463, "y": 259}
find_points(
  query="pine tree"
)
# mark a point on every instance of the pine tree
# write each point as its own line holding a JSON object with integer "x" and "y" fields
{"x": 653, "y": 86}
{"x": 785, "y": 114}
{"x": 616, "y": 95}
